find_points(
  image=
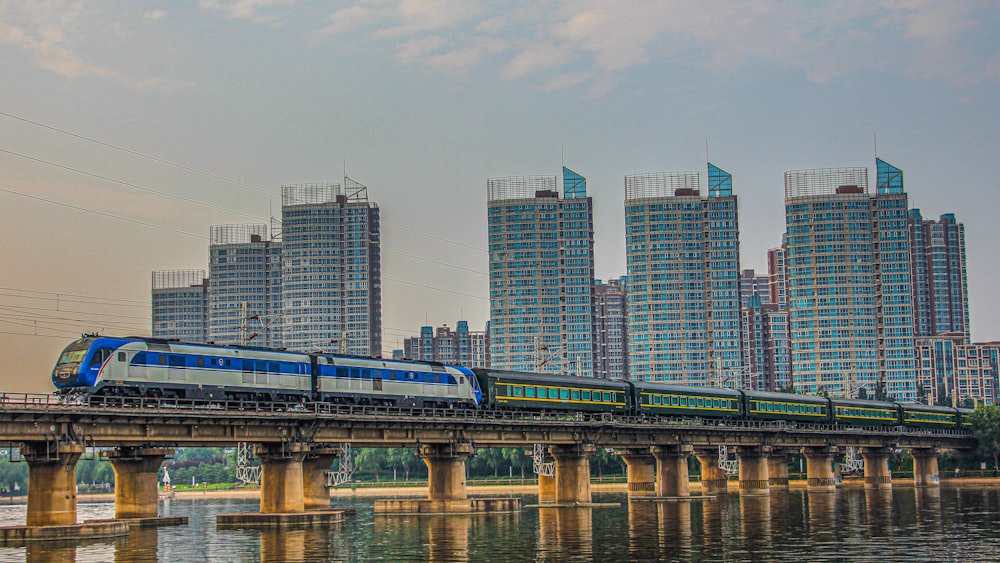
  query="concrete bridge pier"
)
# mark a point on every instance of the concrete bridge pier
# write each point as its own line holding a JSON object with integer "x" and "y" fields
{"x": 753, "y": 469}
{"x": 136, "y": 482}
{"x": 573, "y": 473}
{"x": 672, "y": 478}
{"x": 819, "y": 468}
{"x": 51, "y": 482}
{"x": 877, "y": 475}
{"x": 446, "y": 491}
{"x": 641, "y": 471}
{"x": 315, "y": 464}
{"x": 283, "y": 491}
{"x": 51, "y": 511}
{"x": 714, "y": 480}
{"x": 446, "y": 470}
{"x": 281, "y": 486}
{"x": 925, "y": 467}
{"x": 777, "y": 470}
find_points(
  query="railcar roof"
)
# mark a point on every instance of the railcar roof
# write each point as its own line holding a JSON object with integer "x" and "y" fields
{"x": 927, "y": 408}
{"x": 686, "y": 389}
{"x": 863, "y": 403}
{"x": 774, "y": 396}
{"x": 544, "y": 378}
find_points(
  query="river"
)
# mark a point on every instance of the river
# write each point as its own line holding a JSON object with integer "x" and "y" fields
{"x": 906, "y": 524}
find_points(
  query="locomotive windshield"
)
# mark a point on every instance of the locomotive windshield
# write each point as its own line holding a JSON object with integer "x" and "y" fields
{"x": 74, "y": 353}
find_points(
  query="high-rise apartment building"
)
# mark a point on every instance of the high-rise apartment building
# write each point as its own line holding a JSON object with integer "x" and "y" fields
{"x": 331, "y": 278}
{"x": 610, "y": 331}
{"x": 442, "y": 344}
{"x": 244, "y": 296}
{"x": 541, "y": 274}
{"x": 683, "y": 260}
{"x": 180, "y": 305}
{"x": 953, "y": 372}
{"x": 848, "y": 272}
{"x": 754, "y": 286}
{"x": 778, "y": 285}
{"x": 938, "y": 270}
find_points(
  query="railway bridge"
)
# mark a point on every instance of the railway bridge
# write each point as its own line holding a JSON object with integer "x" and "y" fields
{"x": 296, "y": 443}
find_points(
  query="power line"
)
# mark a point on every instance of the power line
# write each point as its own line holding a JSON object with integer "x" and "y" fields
{"x": 136, "y": 186}
{"x": 436, "y": 288}
{"x": 119, "y": 217}
{"x": 209, "y": 174}
{"x": 137, "y": 153}
{"x": 144, "y": 303}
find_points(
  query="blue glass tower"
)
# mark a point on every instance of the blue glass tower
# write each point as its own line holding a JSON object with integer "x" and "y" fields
{"x": 683, "y": 260}
{"x": 848, "y": 275}
{"x": 541, "y": 274}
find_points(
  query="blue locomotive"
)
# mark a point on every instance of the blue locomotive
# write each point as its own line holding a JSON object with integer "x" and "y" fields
{"x": 148, "y": 367}
{"x": 96, "y": 366}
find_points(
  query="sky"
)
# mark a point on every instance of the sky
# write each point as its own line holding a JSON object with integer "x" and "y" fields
{"x": 128, "y": 128}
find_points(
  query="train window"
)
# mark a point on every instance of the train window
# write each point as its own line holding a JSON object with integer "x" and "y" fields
{"x": 575, "y": 395}
{"x": 274, "y": 367}
{"x": 564, "y": 394}
{"x": 121, "y": 356}
{"x": 529, "y": 392}
{"x": 701, "y": 403}
{"x": 553, "y": 393}
{"x": 229, "y": 362}
{"x": 200, "y": 362}
{"x": 176, "y": 361}
{"x": 656, "y": 399}
{"x": 162, "y": 360}
{"x": 586, "y": 395}
{"x": 518, "y": 391}
{"x": 715, "y": 403}
{"x": 437, "y": 379}
{"x": 607, "y": 397}
{"x": 684, "y": 401}
{"x": 674, "y": 401}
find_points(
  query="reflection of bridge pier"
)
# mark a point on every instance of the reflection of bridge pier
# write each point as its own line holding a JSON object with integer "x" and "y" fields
{"x": 565, "y": 533}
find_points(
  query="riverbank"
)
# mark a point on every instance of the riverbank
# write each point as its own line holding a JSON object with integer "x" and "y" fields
{"x": 484, "y": 490}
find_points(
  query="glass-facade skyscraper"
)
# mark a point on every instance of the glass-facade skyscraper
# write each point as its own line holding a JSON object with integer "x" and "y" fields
{"x": 683, "y": 258}
{"x": 331, "y": 269}
{"x": 541, "y": 246}
{"x": 849, "y": 291}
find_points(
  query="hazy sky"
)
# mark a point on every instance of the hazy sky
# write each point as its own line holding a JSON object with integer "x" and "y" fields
{"x": 218, "y": 103}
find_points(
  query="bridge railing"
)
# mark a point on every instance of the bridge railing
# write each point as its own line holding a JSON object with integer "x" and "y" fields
{"x": 307, "y": 409}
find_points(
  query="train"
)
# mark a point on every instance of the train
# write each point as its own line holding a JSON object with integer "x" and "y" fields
{"x": 95, "y": 367}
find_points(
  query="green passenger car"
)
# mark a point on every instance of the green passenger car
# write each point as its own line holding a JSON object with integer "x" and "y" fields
{"x": 533, "y": 391}
{"x": 765, "y": 405}
{"x": 660, "y": 399}
{"x": 926, "y": 416}
{"x": 861, "y": 412}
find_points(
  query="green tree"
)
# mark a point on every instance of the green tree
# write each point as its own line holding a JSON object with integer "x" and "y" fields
{"x": 985, "y": 422}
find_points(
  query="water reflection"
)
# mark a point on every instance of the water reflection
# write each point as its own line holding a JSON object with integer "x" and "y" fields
{"x": 565, "y": 533}
{"x": 852, "y": 525}
{"x": 755, "y": 522}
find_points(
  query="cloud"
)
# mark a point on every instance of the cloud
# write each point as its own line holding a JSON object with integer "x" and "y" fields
{"x": 154, "y": 15}
{"x": 594, "y": 42}
{"x": 251, "y": 10}
{"x": 536, "y": 58}
{"x": 49, "y": 33}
